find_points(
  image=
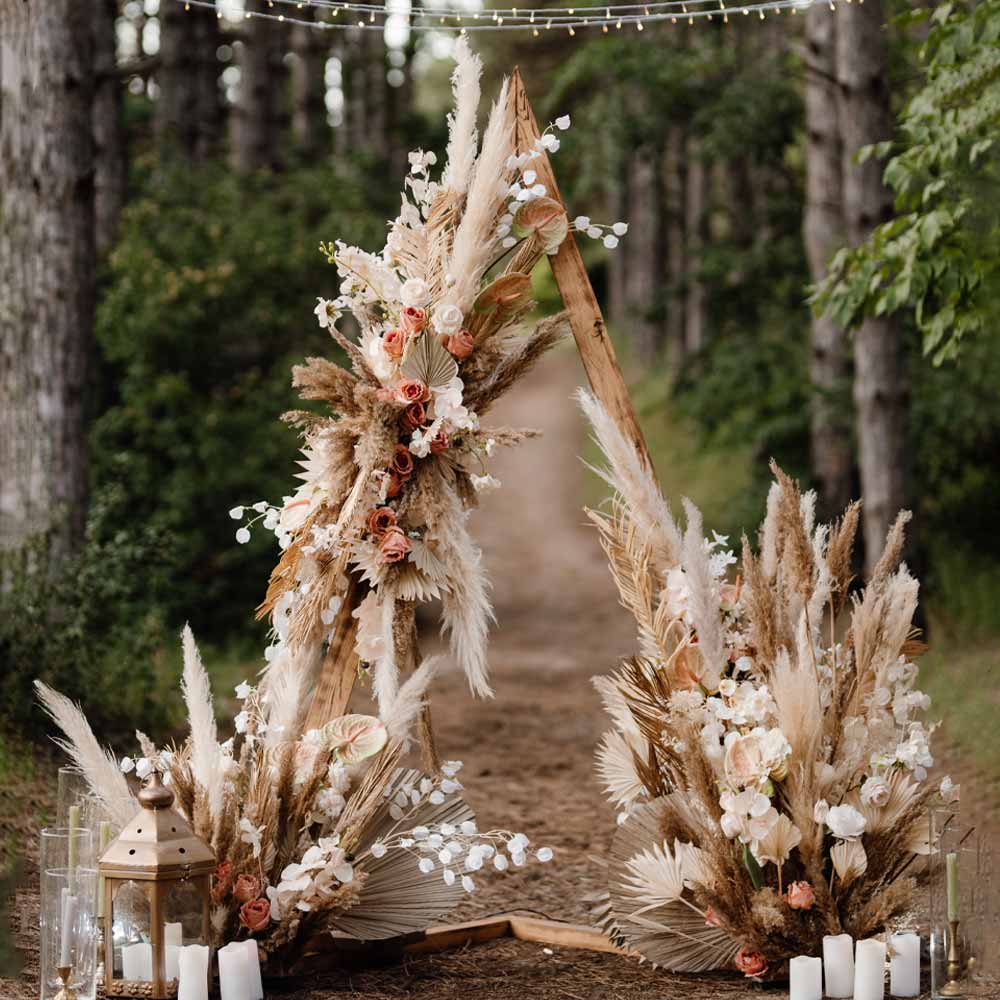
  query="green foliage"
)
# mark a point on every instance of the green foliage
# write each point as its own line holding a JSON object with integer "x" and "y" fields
{"x": 94, "y": 631}
{"x": 938, "y": 257}
{"x": 209, "y": 303}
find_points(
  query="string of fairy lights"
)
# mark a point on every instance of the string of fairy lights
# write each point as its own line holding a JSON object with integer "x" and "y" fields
{"x": 604, "y": 18}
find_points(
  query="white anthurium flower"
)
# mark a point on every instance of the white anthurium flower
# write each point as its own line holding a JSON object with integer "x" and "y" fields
{"x": 250, "y": 834}
{"x": 355, "y": 738}
{"x": 845, "y": 822}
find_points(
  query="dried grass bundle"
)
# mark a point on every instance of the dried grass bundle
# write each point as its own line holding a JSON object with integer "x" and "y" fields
{"x": 776, "y": 779}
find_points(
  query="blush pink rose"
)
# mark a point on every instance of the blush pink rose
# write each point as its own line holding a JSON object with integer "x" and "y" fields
{"x": 394, "y": 343}
{"x": 395, "y": 486}
{"x": 752, "y": 964}
{"x": 412, "y": 319}
{"x": 461, "y": 344}
{"x": 411, "y": 390}
{"x": 439, "y": 443}
{"x": 245, "y": 888}
{"x": 255, "y": 915}
{"x": 381, "y": 520}
{"x": 394, "y": 546}
{"x": 413, "y": 416}
{"x": 402, "y": 462}
{"x": 800, "y": 896}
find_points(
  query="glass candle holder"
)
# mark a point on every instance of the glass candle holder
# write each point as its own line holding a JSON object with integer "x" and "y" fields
{"x": 71, "y": 789}
{"x": 963, "y": 919}
{"x": 69, "y": 932}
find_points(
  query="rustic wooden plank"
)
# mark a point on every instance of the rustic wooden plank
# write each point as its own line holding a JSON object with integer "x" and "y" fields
{"x": 340, "y": 665}
{"x": 447, "y": 936}
{"x": 591, "y": 335}
{"x": 562, "y": 934}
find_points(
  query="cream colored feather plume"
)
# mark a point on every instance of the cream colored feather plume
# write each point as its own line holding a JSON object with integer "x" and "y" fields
{"x": 206, "y": 755}
{"x": 628, "y": 476}
{"x": 475, "y": 238}
{"x": 462, "y": 134}
{"x": 703, "y": 601}
{"x": 402, "y": 712}
{"x": 287, "y": 685}
{"x": 97, "y": 765}
{"x": 385, "y": 671}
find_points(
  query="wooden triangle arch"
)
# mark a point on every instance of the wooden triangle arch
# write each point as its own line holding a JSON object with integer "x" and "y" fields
{"x": 339, "y": 670}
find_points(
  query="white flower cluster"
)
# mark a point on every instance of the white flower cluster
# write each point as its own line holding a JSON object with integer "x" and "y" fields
{"x": 145, "y": 766}
{"x": 305, "y": 883}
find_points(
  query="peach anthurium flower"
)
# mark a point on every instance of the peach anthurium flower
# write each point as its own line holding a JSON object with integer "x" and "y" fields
{"x": 354, "y": 738}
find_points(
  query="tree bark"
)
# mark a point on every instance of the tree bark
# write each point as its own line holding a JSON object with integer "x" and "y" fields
{"x": 309, "y": 116}
{"x": 47, "y": 271}
{"x": 694, "y": 228}
{"x": 261, "y": 103}
{"x": 823, "y": 231}
{"x": 110, "y": 157}
{"x": 188, "y": 110}
{"x": 880, "y": 390}
{"x": 674, "y": 180}
{"x": 644, "y": 276}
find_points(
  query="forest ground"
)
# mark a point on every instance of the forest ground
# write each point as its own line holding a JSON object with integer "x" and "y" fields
{"x": 529, "y": 752}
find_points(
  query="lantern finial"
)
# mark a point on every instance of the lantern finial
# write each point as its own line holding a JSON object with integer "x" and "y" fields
{"x": 155, "y": 794}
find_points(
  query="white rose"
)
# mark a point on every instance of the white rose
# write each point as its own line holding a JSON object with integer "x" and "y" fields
{"x": 845, "y": 822}
{"x": 448, "y": 319}
{"x": 414, "y": 293}
{"x": 875, "y": 791}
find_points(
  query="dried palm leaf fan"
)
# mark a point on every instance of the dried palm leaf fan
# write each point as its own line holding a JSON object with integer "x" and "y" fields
{"x": 772, "y": 780}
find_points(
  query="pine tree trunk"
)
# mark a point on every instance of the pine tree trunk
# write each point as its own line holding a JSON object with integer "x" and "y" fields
{"x": 694, "y": 223}
{"x": 674, "y": 168}
{"x": 644, "y": 277}
{"x": 261, "y": 103}
{"x": 188, "y": 109}
{"x": 823, "y": 230}
{"x": 880, "y": 390}
{"x": 47, "y": 270}
{"x": 110, "y": 156}
{"x": 309, "y": 124}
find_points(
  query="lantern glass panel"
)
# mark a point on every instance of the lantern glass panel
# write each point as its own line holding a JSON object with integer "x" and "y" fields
{"x": 131, "y": 928}
{"x": 183, "y": 911}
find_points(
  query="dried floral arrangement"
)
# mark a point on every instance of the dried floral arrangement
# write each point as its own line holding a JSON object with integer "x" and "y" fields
{"x": 768, "y": 765}
{"x": 318, "y": 832}
{"x": 379, "y": 521}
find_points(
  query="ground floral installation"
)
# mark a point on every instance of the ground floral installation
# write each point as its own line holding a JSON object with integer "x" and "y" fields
{"x": 379, "y": 520}
{"x": 770, "y": 771}
{"x": 317, "y": 832}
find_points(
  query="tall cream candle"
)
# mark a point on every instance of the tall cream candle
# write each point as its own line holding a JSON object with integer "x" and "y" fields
{"x": 838, "y": 965}
{"x": 869, "y": 970}
{"x": 805, "y": 978}
{"x": 904, "y": 965}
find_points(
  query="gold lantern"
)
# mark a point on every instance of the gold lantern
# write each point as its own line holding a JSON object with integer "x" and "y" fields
{"x": 157, "y": 883}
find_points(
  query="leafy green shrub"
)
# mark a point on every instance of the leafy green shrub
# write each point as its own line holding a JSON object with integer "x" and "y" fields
{"x": 94, "y": 631}
{"x": 209, "y": 303}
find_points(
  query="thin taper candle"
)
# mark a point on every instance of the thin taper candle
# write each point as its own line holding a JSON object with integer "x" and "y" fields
{"x": 951, "y": 866}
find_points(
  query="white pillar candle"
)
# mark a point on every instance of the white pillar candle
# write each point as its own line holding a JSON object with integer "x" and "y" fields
{"x": 252, "y": 958}
{"x": 67, "y": 918}
{"x": 137, "y": 962}
{"x": 235, "y": 976}
{"x": 838, "y": 965}
{"x": 904, "y": 965}
{"x": 173, "y": 934}
{"x": 192, "y": 982}
{"x": 172, "y": 962}
{"x": 869, "y": 970}
{"x": 806, "y": 978}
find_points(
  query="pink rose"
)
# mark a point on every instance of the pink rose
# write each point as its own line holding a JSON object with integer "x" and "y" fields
{"x": 439, "y": 443}
{"x": 394, "y": 546}
{"x": 800, "y": 896}
{"x": 752, "y": 964}
{"x": 412, "y": 319}
{"x": 255, "y": 915}
{"x": 402, "y": 462}
{"x": 381, "y": 520}
{"x": 413, "y": 416}
{"x": 395, "y": 486}
{"x": 461, "y": 344}
{"x": 712, "y": 919}
{"x": 410, "y": 390}
{"x": 245, "y": 888}
{"x": 394, "y": 343}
